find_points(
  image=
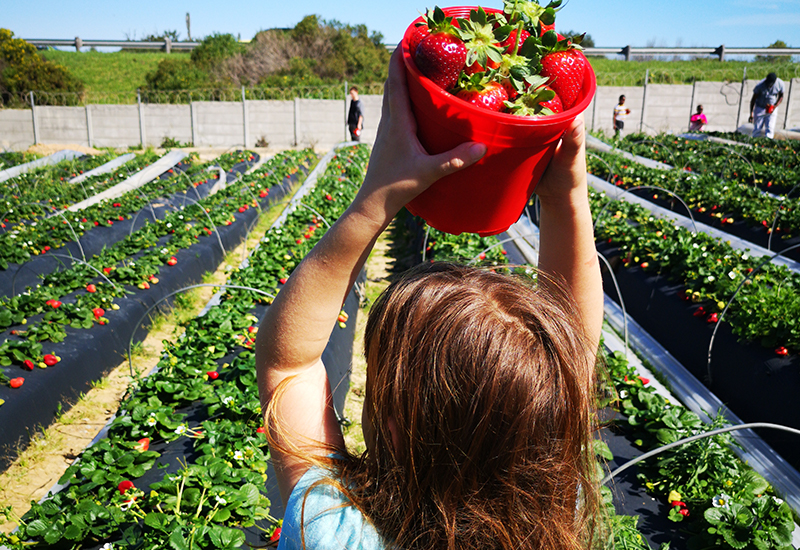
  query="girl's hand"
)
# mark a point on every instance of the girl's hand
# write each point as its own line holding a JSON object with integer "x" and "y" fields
{"x": 399, "y": 167}
{"x": 567, "y": 171}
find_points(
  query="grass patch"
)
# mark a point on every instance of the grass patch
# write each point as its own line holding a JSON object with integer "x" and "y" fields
{"x": 109, "y": 77}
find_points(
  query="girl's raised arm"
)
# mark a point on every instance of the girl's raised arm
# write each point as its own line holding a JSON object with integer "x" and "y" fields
{"x": 567, "y": 248}
{"x": 297, "y": 325}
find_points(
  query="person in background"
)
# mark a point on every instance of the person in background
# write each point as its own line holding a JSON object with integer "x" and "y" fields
{"x": 698, "y": 121}
{"x": 355, "y": 117}
{"x": 620, "y": 113}
{"x": 767, "y": 95}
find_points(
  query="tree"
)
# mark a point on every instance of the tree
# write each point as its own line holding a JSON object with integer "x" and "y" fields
{"x": 588, "y": 41}
{"x": 778, "y": 44}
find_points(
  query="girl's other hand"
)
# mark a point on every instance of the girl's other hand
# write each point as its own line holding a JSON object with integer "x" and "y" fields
{"x": 399, "y": 167}
{"x": 566, "y": 173}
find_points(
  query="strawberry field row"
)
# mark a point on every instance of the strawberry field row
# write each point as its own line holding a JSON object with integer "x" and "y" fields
{"x": 197, "y": 417}
{"x": 36, "y": 236}
{"x": 737, "y": 208}
{"x": 719, "y": 501}
{"x": 772, "y": 168}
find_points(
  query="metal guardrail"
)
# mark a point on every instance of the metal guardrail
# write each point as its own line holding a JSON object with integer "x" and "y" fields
{"x": 629, "y": 52}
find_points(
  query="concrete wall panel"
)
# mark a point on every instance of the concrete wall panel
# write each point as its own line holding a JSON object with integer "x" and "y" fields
{"x": 16, "y": 129}
{"x": 272, "y": 121}
{"x": 162, "y": 121}
{"x": 62, "y": 125}
{"x": 320, "y": 123}
{"x": 219, "y": 123}
{"x": 115, "y": 125}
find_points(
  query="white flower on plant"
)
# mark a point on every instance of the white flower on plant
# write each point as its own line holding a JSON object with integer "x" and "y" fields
{"x": 710, "y": 278}
{"x": 732, "y": 275}
{"x": 165, "y": 251}
{"x": 623, "y": 394}
{"x": 107, "y": 546}
{"x": 182, "y": 429}
{"x": 227, "y": 400}
{"x": 169, "y": 225}
{"x": 777, "y": 500}
{"x": 221, "y": 501}
{"x": 720, "y": 501}
{"x": 151, "y": 421}
{"x": 238, "y": 455}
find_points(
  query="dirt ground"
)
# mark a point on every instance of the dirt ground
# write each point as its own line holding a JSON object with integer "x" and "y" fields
{"x": 45, "y": 149}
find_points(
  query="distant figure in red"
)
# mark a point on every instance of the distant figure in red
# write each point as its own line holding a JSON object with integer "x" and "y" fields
{"x": 698, "y": 121}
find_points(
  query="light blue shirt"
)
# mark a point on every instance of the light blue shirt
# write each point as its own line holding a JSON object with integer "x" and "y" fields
{"x": 329, "y": 520}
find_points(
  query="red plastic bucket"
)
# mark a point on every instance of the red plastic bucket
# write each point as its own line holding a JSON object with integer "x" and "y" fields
{"x": 489, "y": 196}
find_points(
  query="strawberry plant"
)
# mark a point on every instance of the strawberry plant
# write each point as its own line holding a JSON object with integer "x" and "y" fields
{"x": 725, "y": 503}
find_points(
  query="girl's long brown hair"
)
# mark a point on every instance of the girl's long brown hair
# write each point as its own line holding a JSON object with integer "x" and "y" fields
{"x": 488, "y": 384}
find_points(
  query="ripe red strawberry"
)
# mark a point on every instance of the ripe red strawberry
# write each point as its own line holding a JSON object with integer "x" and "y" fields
{"x": 413, "y": 43}
{"x": 476, "y": 67}
{"x": 261, "y": 430}
{"x": 700, "y": 312}
{"x": 143, "y": 444}
{"x": 283, "y": 280}
{"x": 508, "y": 43}
{"x": 125, "y": 486}
{"x": 565, "y": 69}
{"x": 491, "y": 96}
{"x": 782, "y": 351}
{"x": 328, "y": 197}
{"x": 212, "y": 374}
{"x": 16, "y": 382}
{"x": 51, "y": 360}
{"x": 98, "y": 312}
{"x": 252, "y": 330}
{"x": 276, "y": 535}
{"x": 554, "y": 104}
{"x": 172, "y": 261}
{"x": 545, "y": 28}
{"x": 713, "y": 318}
{"x": 28, "y": 364}
{"x": 442, "y": 55}
{"x": 91, "y": 288}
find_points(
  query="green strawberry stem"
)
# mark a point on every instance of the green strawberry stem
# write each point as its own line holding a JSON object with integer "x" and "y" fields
{"x": 517, "y": 38}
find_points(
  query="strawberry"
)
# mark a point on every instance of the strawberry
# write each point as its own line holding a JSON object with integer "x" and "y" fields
{"x": 509, "y": 43}
{"x": 144, "y": 285}
{"x": 283, "y": 280}
{"x": 27, "y": 364}
{"x": 564, "y": 66}
{"x": 421, "y": 32}
{"x": 491, "y": 95}
{"x": 700, "y": 312}
{"x": 143, "y": 444}
{"x": 51, "y": 359}
{"x": 276, "y": 535}
{"x": 172, "y": 261}
{"x": 55, "y": 304}
{"x": 782, "y": 351}
{"x": 15, "y": 383}
{"x": 261, "y": 430}
{"x": 537, "y": 101}
{"x": 713, "y": 318}
{"x": 124, "y": 486}
{"x": 442, "y": 55}
{"x": 212, "y": 374}
{"x": 483, "y": 50}
{"x": 328, "y": 197}
{"x": 91, "y": 288}
{"x": 252, "y": 330}
{"x": 98, "y": 312}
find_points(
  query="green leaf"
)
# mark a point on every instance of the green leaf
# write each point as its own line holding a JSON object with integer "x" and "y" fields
{"x": 36, "y": 528}
{"x": 177, "y": 540}
{"x": 249, "y": 494}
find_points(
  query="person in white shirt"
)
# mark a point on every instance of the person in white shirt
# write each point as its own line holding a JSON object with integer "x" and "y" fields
{"x": 620, "y": 112}
{"x": 767, "y": 95}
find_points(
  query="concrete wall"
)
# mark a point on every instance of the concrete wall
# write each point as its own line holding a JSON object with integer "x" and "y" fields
{"x": 321, "y": 122}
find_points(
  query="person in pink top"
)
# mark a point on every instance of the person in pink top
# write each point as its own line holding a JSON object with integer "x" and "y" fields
{"x": 698, "y": 121}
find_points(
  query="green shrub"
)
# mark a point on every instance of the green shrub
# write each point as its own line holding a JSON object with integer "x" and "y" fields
{"x": 215, "y": 49}
{"x": 23, "y": 70}
{"x": 176, "y": 73}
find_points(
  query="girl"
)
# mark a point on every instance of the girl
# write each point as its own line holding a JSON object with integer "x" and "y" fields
{"x": 479, "y": 403}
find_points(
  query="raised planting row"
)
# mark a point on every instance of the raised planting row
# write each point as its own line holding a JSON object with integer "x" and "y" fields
{"x": 82, "y": 319}
{"x": 718, "y": 500}
{"x": 9, "y": 159}
{"x": 184, "y": 463}
{"x": 771, "y": 168}
{"x": 757, "y": 141}
{"x": 47, "y": 188}
{"x": 35, "y": 237}
{"x": 676, "y": 284}
{"x": 737, "y": 208}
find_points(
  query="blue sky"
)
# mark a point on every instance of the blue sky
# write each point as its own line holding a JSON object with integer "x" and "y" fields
{"x": 611, "y": 23}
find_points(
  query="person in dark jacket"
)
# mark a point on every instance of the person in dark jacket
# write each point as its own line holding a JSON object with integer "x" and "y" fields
{"x": 355, "y": 117}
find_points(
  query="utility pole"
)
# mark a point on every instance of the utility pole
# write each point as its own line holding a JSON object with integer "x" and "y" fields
{"x": 189, "y": 26}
